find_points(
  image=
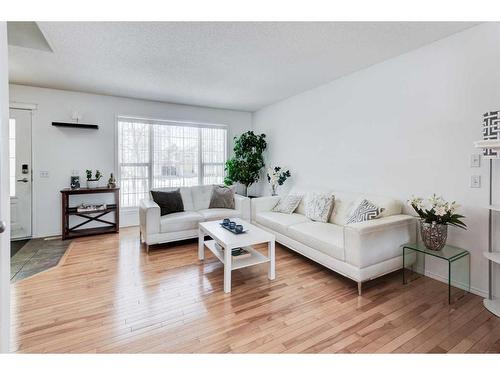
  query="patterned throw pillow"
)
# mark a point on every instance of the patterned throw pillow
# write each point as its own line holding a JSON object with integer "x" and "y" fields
{"x": 288, "y": 204}
{"x": 319, "y": 206}
{"x": 365, "y": 211}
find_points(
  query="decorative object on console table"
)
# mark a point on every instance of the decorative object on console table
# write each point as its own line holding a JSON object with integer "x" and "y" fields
{"x": 276, "y": 176}
{"x": 93, "y": 183}
{"x": 112, "y": 181}
{"x": 491, "y": 148}
{"x": 91, "y": 207}
{"x": 77, "y": 230}
{"x": 434, "y": 220}
{"x": 248, "y": 160}
{"x": 75, "y": 182}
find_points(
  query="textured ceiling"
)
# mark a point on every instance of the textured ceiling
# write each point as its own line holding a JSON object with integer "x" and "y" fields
{"x": 243, "y": 66}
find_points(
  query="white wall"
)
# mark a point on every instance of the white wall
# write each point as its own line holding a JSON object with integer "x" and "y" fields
{"x": 4, "y": 194}
{"x": 60, "y": 150}
{"x": 401, "y": 127}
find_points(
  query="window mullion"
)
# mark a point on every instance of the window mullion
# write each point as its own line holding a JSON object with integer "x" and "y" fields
{"x": 151, "y": 153}
{"x": 200, "y": 156}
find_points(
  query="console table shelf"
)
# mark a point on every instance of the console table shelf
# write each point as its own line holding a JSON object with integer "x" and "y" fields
{"x": 74, "y": 210}
{"x": 89, "y": 216}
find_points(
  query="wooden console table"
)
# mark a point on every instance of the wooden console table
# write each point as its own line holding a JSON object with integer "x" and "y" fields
{"x": 76, "y": 230}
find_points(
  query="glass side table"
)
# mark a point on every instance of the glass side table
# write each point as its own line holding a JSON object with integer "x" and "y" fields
{"x": 458, "y": 264}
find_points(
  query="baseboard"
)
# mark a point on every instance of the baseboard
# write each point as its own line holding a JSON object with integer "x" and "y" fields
{"x": 444, "y": 279}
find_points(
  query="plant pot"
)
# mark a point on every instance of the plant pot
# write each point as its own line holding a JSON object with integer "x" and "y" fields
{"x": 92, "y": 184}
{"x": 433, "y": 235}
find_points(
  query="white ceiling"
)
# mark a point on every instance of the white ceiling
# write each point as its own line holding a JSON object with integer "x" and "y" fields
{"x": 242, "y": 66}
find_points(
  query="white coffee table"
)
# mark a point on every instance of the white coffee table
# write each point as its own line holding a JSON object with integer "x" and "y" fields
{"x": 229, "y": 241}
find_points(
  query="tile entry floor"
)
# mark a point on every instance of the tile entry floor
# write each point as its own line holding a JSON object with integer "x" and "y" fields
{"x": 35, "y": 256}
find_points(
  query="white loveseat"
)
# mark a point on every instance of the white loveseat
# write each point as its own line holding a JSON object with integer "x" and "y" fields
{"x": 359, "y": 251}
{"x": 156, "y": 229}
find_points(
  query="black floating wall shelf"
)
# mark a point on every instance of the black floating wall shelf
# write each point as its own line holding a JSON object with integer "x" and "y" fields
{"x": 75, "y": 125}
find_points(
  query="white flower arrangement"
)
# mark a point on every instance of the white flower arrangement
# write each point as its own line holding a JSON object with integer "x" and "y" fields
{"x": 277, "y": 176}
{"x": 437, "y": 210}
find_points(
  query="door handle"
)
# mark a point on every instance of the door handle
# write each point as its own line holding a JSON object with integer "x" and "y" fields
{"x": 2, "y": 226}
{"x": 23, "y": 180}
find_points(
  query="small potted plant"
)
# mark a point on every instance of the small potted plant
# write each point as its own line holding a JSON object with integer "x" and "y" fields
{"x": 435, "y": 216}
{"x": 92, "y": 183}
{"x": 276, "y": 176}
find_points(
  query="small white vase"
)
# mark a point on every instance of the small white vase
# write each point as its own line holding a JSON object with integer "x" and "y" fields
{"x": 92, "y": 184}
{"x": 274, "y": 190}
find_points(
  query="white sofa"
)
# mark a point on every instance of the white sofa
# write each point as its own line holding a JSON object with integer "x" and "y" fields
{"x": 359, "y": 251}
{"x": 156, "y": 229}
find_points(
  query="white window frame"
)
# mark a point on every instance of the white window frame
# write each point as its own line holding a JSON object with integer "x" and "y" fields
{"x": 198, "y": 125}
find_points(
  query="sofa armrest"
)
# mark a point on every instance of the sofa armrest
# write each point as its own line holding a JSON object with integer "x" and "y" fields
{"x": 242, "y": 204}
{"x": 263, "y": 204}
{"x": 149, "y": 217}
{"x": 374, "y": 241}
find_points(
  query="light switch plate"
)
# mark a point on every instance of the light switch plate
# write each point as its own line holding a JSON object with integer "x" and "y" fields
{"x": 475, "y": 160}
{"x": 475, "y": 181}
{"x": 44, "y": 174}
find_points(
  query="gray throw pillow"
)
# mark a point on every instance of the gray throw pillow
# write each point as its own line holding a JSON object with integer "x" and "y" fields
{"x": 222, "y": 197}
{"x": 364, "y": 212}
{"x": 288, "y": 204}
{"x": 169, "y": 201}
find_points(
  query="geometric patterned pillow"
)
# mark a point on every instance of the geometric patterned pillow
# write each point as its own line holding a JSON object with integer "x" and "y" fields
{"x": 319, "y": 206}
{"x": 288, "y": 204}
{"x": 365, "y": 211}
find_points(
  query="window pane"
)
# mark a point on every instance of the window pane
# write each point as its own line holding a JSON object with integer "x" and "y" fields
{"x": 133, "y": 142}
{"x": 213, "y": 154}
{"x": 175, "y": 156}
{"x": 213, "y": 174}
{"x": 134, "y": 185}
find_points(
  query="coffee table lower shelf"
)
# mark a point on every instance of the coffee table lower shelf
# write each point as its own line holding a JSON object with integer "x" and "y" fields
{"x": 254, "y": 259}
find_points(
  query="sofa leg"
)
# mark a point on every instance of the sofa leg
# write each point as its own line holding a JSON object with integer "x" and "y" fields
{"x": 359, "y": 288}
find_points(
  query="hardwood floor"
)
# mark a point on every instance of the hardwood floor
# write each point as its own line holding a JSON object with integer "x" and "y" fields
{"x": 107, "y": 295}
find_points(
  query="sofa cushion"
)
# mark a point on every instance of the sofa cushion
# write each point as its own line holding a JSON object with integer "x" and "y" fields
{"x": 303, "y": 191}
{"x": 222, "y": 197}
{"x": 180, "y": 221}
{"x": 390, "y": 206}
{"x": 344, "y": 206}
{"x": 187, "y": 200}
{"x": 365, "y": 211}
{"x": 287, "y": 204}
{"x": 169, "y": 201}
{"x": 278, "y": 221}
{"x": 201, "y": 196}
{"x": 325, "y": 237}
{"x": 319, "y": 206}
{"x": 218, "y": 213}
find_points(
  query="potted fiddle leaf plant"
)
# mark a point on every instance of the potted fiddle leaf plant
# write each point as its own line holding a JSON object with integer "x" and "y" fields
{"x": 93, "y": 182}
{"x": 244, "y": 167}
{"x": 435, "y": 216}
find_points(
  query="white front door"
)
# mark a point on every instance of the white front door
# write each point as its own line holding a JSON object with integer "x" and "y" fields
{"x": 20, "y": 173}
